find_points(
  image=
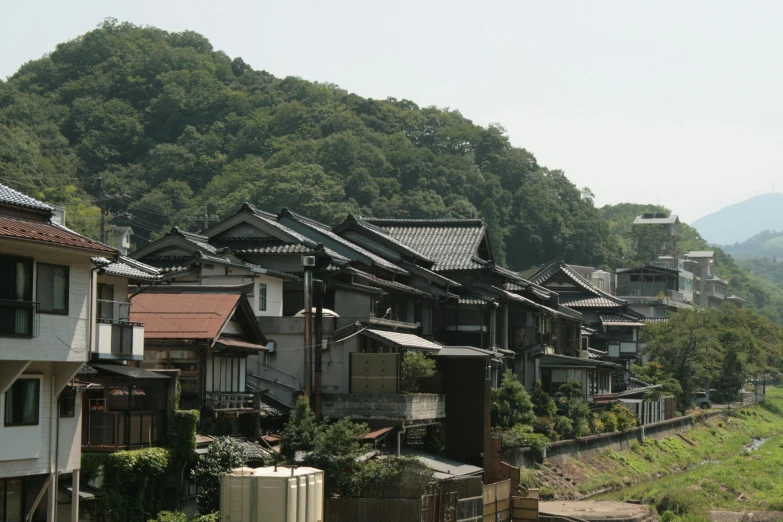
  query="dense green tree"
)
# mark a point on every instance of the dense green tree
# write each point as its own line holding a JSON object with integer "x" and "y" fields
{"x": 223, "y": 455}
{"x": 510, "y": 403}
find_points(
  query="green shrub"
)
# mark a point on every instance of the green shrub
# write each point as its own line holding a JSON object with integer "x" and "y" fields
{"x": 223, "y": 455}
{"x": 570, "y": 390}
{"x": 170, "y": 516}
{"x": 511, "y": 404}
{"x": 564, "y": 427}
{"x": 415, "y": 367}
{"x": 609, "y": 420}
{"x": 300, "y": 431}
{"x": 543, "y": 405}
{"x": 596, "y": 424}
{"x": 545, "y": 427}
{"x": 625, "y": 419}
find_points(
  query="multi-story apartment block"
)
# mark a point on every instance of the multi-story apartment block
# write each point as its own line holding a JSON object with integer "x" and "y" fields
{"x": 656, "y": 234}
{"x": 47, "y": 322}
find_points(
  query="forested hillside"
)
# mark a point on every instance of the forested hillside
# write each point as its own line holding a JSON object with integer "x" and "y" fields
{"x": 765, "y": 244}
{"x": 161, "y": 128}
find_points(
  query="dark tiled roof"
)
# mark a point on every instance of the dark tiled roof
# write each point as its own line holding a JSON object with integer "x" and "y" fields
{"x": 582, "y": 301}
{"x": 474, "y": 299}
{"x": 9, "y": 196}
{"x": 617, "y": 319}
{"x": 547, "y": 271}
{"x": 275, "y": 247}
{"x": 326, "y": 231}
{"x": 451, "y": 243}
{"x": 200, "y": 241}
{"x": 382, "y": 234}
{"x": 49, "y": 233}
{"x": 385, "y": 282}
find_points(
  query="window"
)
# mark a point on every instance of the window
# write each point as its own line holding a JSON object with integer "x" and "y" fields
{"x": 11, "y": 500}
{"x": 53, "y": 289}
{"x": 68, "y": 402}
{"x": 105, "y": 302}
{"x": 262, "y": 297}
{"x": 21, "y": 403}
{"x": 16, "y": 296}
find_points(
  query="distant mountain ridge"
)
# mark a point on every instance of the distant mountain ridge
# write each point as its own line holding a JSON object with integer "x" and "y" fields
{"x": 740, "y": 221}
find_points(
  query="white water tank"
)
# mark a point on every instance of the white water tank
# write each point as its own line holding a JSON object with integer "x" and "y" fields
{"x": 273, "y": 494}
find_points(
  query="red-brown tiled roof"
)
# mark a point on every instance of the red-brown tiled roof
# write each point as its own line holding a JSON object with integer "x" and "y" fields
{"x": 182, "y": 316}
{"x": 48, "y": 233}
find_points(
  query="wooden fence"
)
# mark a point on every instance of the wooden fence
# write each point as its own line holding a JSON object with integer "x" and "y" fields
{"x": 375, "y": 509}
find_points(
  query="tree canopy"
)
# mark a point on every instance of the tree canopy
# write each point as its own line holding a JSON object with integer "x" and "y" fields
{"x": 161, "y": 128}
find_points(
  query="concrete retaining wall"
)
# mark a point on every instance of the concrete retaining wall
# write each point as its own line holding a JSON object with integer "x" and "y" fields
{"x": 595, "y": 444}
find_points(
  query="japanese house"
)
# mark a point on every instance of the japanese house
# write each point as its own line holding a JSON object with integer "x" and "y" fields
{"x": 207, "y": 333}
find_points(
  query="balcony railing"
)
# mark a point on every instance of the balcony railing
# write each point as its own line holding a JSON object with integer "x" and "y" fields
{"x": 18, "y": 318}
{"x": 108, "y": 430}
{"x": 119, "y": 338}
{"x": 233, "y": 401}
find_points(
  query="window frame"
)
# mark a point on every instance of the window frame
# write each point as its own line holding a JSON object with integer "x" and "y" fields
{"x": 41, "y": 308}
{"x": 262, "y": 297}
{"x": 68, "y": 399}
{"x": 4, "y": 483}
{"x": 37, "y": 421}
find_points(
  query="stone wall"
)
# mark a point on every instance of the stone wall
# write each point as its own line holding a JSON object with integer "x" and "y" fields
{"x": 419, "y": 406}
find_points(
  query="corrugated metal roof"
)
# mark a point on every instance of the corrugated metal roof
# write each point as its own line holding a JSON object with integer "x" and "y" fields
{"x": 49, "y": 233}
{"x": 402, "y": 340}
{"x": 451, "y": 243}
{"x": 129, "y": 372}
{"x": 467, "y": 352}
{"x": 235, "y": 343}
{"x": 701, "y": 253}
{"x": 182, "y": 315}
{"x": 9, "y": 196}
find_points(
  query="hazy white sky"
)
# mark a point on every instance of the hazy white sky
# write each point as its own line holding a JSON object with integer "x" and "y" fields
{"x": 640, "y": 101}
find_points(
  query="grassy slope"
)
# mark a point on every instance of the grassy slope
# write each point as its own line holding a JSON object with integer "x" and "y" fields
{"x": 706, "y": 486}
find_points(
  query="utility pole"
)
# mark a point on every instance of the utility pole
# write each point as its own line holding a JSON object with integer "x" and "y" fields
{"x": 205, "y": 218}
{"x": 103, "y": 212}
{"x": 308, "y": 263}
{"x": 319, "y": 314}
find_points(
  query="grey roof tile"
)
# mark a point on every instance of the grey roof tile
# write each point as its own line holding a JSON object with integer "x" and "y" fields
{"x": 325, "y": 230}
{"x": 450, "y": 243}
{"x": 129, "y": 268}
{"x": 9, "y": 196}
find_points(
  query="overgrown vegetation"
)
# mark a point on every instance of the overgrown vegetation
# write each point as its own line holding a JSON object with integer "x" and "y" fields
{"x": 416, "y": 367}
{"x": 712, "y": 348}
{"x": 132, "y": 483}
{"x": 335, "y": 447}
{"x": 720, "y": 471}
{"x": 709, "y": 463}
{"x": 223, "y": 455}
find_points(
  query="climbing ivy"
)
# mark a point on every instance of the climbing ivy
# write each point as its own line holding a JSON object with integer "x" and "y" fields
{"x": 132, "y": 483}
{"x": 182, "y": 436}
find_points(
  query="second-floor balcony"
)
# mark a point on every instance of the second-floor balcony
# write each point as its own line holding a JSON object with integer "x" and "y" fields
{"x": 18, "y": 318}
{"x": 120, "y": 340}
{"x": 391, "y": 407}
{"x": 233, "y": 401}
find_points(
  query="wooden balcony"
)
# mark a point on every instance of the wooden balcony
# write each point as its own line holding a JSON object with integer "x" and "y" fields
{"x": 233, "y": 401}
{"x": 109, "y": 430}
